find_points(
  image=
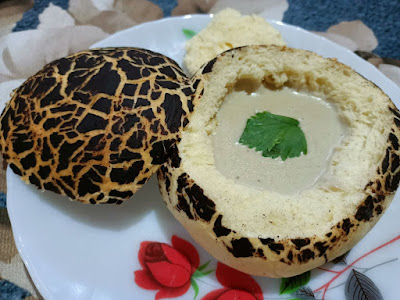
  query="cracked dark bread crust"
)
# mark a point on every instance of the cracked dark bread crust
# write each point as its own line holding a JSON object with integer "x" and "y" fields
{"x": 265, "y": 255}
{"x": 94, "y": 126}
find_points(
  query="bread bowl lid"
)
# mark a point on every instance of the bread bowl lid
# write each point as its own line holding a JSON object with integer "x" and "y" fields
{"x": 95, "y": 125}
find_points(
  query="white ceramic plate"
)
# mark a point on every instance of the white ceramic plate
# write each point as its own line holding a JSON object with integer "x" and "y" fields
{"x": 76, "y": 251}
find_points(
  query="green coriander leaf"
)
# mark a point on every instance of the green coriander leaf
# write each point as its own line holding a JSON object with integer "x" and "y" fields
{"x": 274, "y": 136}
{"x": 189, "y": 33}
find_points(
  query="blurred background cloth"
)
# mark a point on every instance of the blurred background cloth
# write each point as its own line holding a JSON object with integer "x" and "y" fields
{"x": 33, "y": 33}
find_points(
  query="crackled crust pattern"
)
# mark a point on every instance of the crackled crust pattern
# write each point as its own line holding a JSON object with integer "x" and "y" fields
{"x": 96, "y": 125}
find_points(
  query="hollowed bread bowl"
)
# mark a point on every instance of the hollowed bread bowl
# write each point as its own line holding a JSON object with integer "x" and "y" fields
{"x": 266, "y": 233}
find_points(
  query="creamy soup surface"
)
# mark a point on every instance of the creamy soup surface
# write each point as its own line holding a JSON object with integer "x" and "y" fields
{"x": 318, "y": 119}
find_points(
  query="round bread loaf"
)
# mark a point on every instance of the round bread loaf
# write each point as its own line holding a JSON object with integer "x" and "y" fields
{"x": 97, "y": 124}
{"x": 262, "y": 232}
{"x": 228, "y": 29}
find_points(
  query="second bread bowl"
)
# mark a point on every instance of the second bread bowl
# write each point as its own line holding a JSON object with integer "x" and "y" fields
{"x": 264, "y": 230}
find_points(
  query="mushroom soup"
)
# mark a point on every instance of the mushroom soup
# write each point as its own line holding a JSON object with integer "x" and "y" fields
{"x": 318, "y": 119}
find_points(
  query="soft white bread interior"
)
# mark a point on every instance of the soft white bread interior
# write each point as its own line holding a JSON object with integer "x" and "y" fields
{"x": 263, "y": 232}
{"x": 228, "y": 29}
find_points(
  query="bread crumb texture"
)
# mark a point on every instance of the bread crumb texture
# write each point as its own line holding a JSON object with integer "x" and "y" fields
{"x": 228, "y": 29}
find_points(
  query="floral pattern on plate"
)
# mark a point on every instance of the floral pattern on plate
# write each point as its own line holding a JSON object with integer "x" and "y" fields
{"x": 171, "y": 269}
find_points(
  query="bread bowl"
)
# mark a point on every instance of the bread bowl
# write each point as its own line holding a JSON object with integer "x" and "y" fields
{"x": 95, "y": 125}
{"x": 263, "y": 232}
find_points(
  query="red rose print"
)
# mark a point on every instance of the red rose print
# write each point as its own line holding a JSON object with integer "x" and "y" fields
{"x": 166, "y": 268}
{"x": 237, "y": 285}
